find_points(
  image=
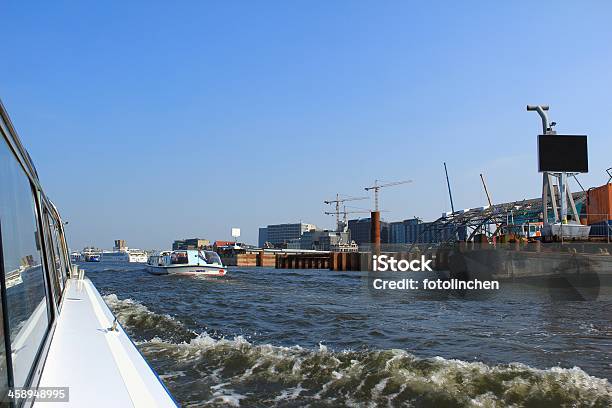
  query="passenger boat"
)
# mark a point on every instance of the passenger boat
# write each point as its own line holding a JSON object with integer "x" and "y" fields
{"x": 55, "y": 329}
{"x": 92, "y": 258}
{"x": 75, "y": 257}
{"x": 131, "y": 255}
{"x": 186, "y": 262}
{"x": 122, "y": 254}
{"x": 90, "y": 254}
{"x": 114, "y": 256}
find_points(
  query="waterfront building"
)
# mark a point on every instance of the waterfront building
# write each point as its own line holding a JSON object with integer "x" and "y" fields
{"x": 415, "y": 230}
{"x": 120, "y": 245}
{"x": 406, "y": 231}
{"x": 192, "y": 243}
{"x": 281, "y": 234}
{"x": 352, "y": 247}
{"x": 220, "y": 244}
{"x": 321, "y": 240}
{"x": 397, "y": 232}
{"x": 294, "y": 243}
{"x": 263, "y": 237}
{"x": 414, "y": 227}
{"x": 360, "y": 230}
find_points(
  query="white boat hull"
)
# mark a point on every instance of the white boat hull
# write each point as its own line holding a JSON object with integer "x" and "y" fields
{"x": 127, "y": 258}
{"x": 187, "y": 270}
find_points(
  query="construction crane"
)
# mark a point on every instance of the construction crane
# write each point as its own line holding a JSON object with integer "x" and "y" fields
{"x": 342, "y": 226}
{"x": 376, "y": 187}
{"x": 338, "y": 201}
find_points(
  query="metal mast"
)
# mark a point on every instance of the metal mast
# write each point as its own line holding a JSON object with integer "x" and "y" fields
{"x": 565, "y": 194}
{"x": 449, "y": 189}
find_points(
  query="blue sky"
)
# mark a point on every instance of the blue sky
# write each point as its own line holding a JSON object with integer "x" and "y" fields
{"x": 154, "y": 121}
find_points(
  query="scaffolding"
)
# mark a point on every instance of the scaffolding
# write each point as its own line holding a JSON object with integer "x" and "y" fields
{"x": 486, "y": 220}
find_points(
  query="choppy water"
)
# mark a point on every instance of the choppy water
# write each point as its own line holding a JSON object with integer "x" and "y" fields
{"x": 265, "y": 337}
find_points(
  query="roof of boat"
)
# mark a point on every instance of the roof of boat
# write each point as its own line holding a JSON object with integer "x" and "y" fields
{"x": 193, "y": 251}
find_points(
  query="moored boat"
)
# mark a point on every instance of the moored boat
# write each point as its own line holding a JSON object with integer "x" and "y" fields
{"x": 186, "y": 262}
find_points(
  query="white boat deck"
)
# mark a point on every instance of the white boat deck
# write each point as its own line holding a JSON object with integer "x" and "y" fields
{"x": 101, "y": 367}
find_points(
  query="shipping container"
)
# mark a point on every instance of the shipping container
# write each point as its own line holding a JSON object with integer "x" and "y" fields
{"x": 599, "y": 201}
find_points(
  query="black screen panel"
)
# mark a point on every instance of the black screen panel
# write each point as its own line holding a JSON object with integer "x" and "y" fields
{"x": 563, "y": 153}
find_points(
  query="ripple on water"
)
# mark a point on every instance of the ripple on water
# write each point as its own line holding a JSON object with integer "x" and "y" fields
{"x": 202, "y": 370}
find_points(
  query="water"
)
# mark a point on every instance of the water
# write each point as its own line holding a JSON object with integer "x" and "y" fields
{"x": 265, "y": 337}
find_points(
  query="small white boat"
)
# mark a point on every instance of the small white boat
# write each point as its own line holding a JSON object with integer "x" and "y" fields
{"x": 186, "y": 262}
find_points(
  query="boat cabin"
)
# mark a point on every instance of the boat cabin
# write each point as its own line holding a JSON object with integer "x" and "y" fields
{"x": 185, "y": 257}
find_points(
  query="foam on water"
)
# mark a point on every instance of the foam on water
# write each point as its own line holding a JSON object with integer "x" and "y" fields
{"x": 203, "y": 370}
{"x": 142, "y": 323}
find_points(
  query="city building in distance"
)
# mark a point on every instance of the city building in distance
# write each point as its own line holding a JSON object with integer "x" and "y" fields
{"x": 193, "y": 243}
{"x": 414, "y": 230}
{"x": 279, "y": 235}
{"x": 323, "y": 241}
{"x": 360, "y": 230}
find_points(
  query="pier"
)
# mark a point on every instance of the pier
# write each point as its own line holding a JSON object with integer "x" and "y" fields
{"x": 303, "y": 261}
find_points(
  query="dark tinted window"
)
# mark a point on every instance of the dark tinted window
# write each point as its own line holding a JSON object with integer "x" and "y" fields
{"x": 62, "y": 252}
{"x": 27, "y": 310}
{"x": 61, "y": 261}
{"x": 3, "y": 364}
{"x": 53, "y": 259}
{"x": 179, "y": 258}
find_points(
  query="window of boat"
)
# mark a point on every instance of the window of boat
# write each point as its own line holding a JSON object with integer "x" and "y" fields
{"x": 179, "y": 258}
{"x": 26, "y": 309}
{"x": 54, "y": 264}
{"x": 212, "y": 257}
{"x": 3, "y": 363}
{"x": 61, "y": 253}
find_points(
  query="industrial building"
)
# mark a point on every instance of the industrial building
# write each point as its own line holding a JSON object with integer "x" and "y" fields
{"x": 360, "y": 230}
{"x": 321, "y": 240}
{"x": 193, "y": 243}
{"x": 281, "y": 234}
{"x": 414, "y": 230}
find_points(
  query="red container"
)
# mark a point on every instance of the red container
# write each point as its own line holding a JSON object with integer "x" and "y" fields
{"x": 599, "y": 204}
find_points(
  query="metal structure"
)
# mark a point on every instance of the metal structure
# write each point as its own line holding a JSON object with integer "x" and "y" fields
{"x": 478, "y": 220}
{"x": 485, "y": 189}
{"x": 345, "y": 214}
{"x": 490, "y": 219}
{"x": 450, "y": 194}
{"x": 376, "y": 188}
{"x": 338, "y": 201}
{"x": 548, "y": 190}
